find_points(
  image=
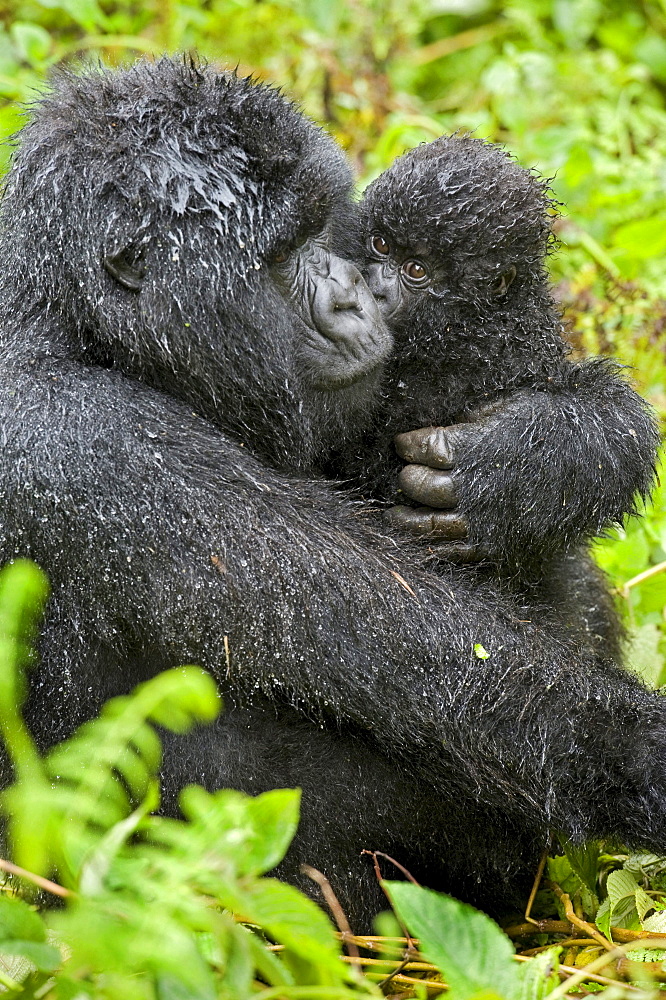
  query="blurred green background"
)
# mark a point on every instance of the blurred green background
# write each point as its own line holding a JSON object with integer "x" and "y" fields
{"x": 576, "y": 88}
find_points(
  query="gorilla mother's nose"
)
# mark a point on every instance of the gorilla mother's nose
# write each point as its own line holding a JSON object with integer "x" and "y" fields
{"x": 345, "y": 278}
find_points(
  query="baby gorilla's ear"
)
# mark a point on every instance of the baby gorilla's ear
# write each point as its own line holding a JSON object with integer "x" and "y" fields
{"x": 501, "y": 285}
{"x": 125, "y": 268}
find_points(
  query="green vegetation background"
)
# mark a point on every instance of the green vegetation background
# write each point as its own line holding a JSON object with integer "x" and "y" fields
{"x": 576, "y": 88}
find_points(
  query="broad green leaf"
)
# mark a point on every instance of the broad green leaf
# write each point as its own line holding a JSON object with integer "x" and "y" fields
{"x": 254, "y": 831}
{"x": 18, "y": 920}
{"x": 294, "y": 920}
{"x": 642, "y": 238}
{"x": 656, "y": 923}
{"x": 584, "y": 860}
{"x": 625, "y": 904}
{"x": 538, "y": 977}
{"x": 561, "y": 871}
{"x": 469, "y": 948}
{"x": 44, "y": 957}
{"x": 87, "y": 13}
{"x": 238, "y": 960}
{"x": 267, "y": 963}
{"x": 603, "y": 918}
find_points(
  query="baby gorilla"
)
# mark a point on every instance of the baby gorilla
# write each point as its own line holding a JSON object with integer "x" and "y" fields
{"x": 538, "y": 451}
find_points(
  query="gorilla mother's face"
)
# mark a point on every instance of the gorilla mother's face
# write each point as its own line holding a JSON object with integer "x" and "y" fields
{"x": 344, "y": 336}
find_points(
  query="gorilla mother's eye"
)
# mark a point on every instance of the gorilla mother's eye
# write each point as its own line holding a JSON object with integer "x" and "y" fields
{"x": 380, "y": 246}
{"x": 415, "y": 272}
{"x": 282, "y": 255}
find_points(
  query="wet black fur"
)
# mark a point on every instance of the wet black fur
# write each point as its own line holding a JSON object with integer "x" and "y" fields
{"x": 154, "y": 459}
{"x": 571, "y": 444}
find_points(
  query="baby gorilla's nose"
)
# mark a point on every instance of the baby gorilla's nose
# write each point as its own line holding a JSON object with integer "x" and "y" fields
{"x": 385, "y": 287}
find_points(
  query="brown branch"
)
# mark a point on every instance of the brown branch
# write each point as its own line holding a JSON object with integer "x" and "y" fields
{"x": 538, "y": 927}
{"x": 655, "y": 970}
{"x": 622, "y": 934}
{"x": 431, "y": 984}
{"x": 411, "y": 945}
{"x": 380, "y": 854}
{"x": 577, "y": 921}
{"x": 44, "y": 883}
{"x": 334, "y": 906}
{"x": 572, "y": 942}
{"x": 455, "y": 43}
{"x": 535, "y": 887}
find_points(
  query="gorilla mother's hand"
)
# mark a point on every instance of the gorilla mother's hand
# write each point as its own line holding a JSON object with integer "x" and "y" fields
{"x": 431, "y": 453}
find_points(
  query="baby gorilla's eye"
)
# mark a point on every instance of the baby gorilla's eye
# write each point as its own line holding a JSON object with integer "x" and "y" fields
{"x": 415, "y": 271}
{"x": 380, "y": 246}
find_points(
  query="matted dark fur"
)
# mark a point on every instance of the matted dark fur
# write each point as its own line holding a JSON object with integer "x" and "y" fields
{"x": 155, "y": 455}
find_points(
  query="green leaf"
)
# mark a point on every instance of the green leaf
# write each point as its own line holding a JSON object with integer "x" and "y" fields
{"x": 293, "y": 920}
{"x": 44, "y": 957}
{"x": 87, "y": 13}
{"x": 643, "y": 653}
{"x": 603, "y": 917}
{"x": 643, "y": 238}
{"x": 469, "y": 948}
{"x": 584, "y": 861}
{"x": 253, "y": 832}
{"x": 656, "y": 924}
{"x": 239, "y": 965}
{"x": 538, "y": 977}
{"x": 271, "y": 969}
{"x": 18, "y": 920}
{"x": 652, "y": 51}
{"x": 32, "y": 42}
{"x": 480, "y": 652}
{"x": 626, "y": 902}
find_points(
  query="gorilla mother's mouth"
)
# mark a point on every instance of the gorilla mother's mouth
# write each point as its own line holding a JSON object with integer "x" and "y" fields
{"x": 345, "y": 351}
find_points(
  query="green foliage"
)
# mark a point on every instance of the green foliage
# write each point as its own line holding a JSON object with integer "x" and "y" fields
{"x": 475, "y": 957}
{"x": 465, "y": 944}
{"x": 152, "y": 905}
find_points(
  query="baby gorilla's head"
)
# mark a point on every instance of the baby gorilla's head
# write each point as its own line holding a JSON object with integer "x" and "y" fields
{"x": 458, "y": 221}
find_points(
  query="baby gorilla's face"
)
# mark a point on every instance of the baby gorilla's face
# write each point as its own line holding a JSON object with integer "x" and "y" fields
{"x": 399, "y": 274}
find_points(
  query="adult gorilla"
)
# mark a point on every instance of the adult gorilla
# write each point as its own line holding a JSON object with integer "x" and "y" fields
{"x": 178, "y": 348}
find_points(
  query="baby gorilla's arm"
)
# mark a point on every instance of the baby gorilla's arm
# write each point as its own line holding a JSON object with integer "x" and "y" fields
{"x": 533, "y": 473}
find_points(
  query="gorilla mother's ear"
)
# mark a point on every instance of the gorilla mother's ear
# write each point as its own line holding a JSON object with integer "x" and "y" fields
{"x": 501, "y": 285}
{"x": 125, "y": 269}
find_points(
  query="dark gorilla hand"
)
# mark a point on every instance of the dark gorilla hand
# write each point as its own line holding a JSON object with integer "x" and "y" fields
{"x": 429, "y": 479}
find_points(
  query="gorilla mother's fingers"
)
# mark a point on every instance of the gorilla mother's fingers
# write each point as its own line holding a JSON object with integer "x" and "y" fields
{"x": 460, "y": 553}
{"x": 431, "y": 487}
{"x": 438, "y": 524}
{"x": 432, "y": 446}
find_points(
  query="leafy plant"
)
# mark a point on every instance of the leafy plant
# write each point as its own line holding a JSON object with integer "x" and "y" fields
{"x": 152, "y": 905}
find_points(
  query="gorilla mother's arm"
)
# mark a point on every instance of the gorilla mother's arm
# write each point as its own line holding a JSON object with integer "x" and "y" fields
{"x": 164, "y": 537}
{"x": 537, "y": 470}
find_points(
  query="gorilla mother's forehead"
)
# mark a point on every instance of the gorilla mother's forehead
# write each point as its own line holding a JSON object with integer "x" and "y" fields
{"x": 173, "y": 138}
